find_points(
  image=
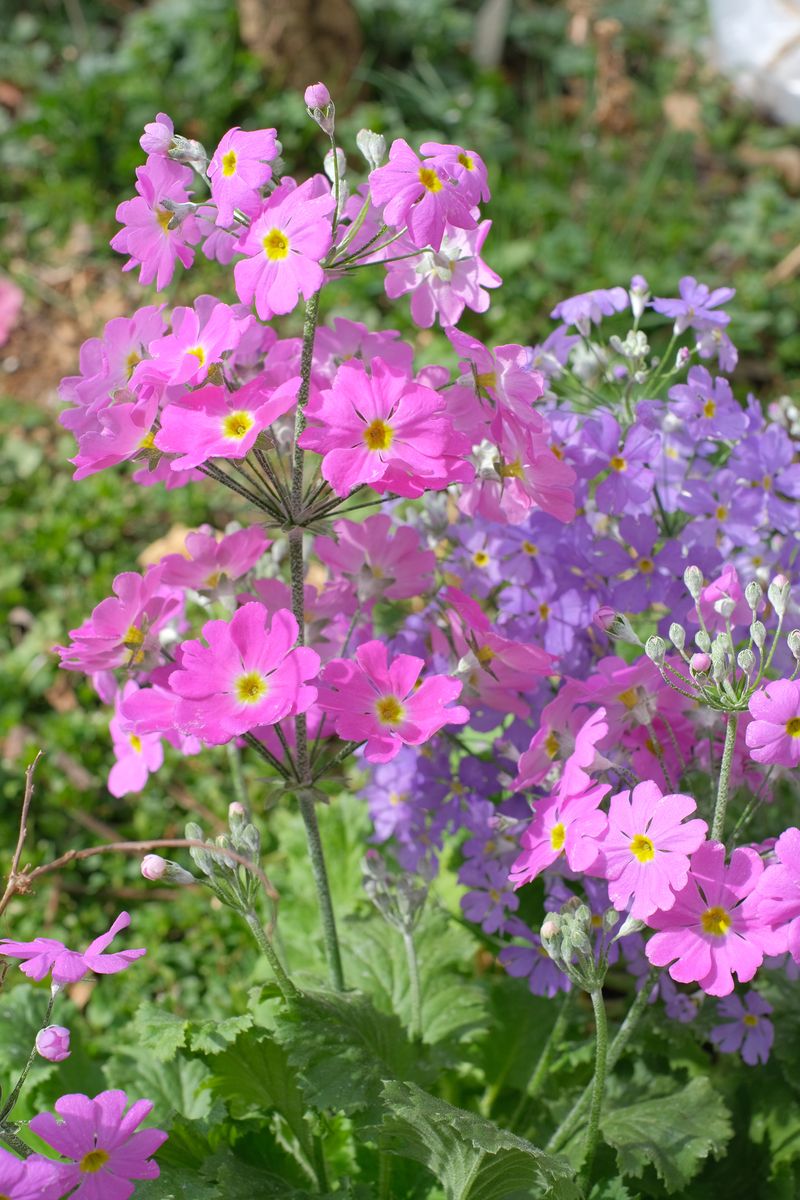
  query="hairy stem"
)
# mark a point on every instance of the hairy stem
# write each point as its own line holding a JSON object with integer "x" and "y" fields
{"x": 287, "y": 988}
{"x": 721, "y": 805}
{"x": 599, "y": 1081}
{"x": 320, "y": 873}
{"x": 12, "y": 1099}
{"x": 415, "y": 1028}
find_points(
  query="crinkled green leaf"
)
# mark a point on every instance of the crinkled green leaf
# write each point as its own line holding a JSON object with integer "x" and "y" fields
{"x": 177, "y": 1183}
{"x": 160, "y": 1031}
{"x": 211, "y": 1037}
{"x": 674, "y": 1133}
{"x": 174, "y": 1087}
{"x": 343, "y": 1049}
{"x": 471, "y": 1157}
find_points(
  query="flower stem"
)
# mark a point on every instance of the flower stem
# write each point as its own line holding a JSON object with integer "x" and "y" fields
{"x": 287, "y": 988}
{"x": 415, "y": 1028}
{"x": 599, "y": 1081}
{"x": 320, "y": 874}
{"x": 724, "y": 778}
{"x": 12, "y": 1099}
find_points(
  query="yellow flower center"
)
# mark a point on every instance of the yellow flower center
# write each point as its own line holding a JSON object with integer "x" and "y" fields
{"x": 618, "y": 464}
{"x": 646, "y": 566}
{"x": 133, "y": 637}
{"x": 716, "y": 921}
{"x": 494, "y": 894}
{"x": 276, "y": 245}
{"x": 557, "y": 835}
{"x": 529, "y": 548}
{"x": 709, "y": 408}
{"x": 389, "y": 710}
{"x": 642, "y": 848}
{"x": 721, "y": 513}
{"x": 466, "y": 161}
{"x": 131, "y": 361}
{"x": 164, "y": 216}
{"x": 378, "y": 435}
{"x": 551, "y": 745}
{"x": 596, "y": 921}
{"x": 229, "y": 163}
{"x": 396, "y": 798}
{"x": 544, "y": 611}
{"x": 429, "y": 179}
{"x": 484, "y": 655}
{"x": 480, "y": 558}
{"x": 750, "y": 1019}
{"x": 148, "y": 442}
{"x": 237, "y": 425}
{"x": 250, "y": 688}
{"x": 136, "y": 742}
{"x": 487, "y": 380}
{"x": 94, "y": 1161}
{"x": 630, "y": 698}
{"x": 793, "y": 727}
{"x": 512, "y": 470}
{"x": 199, "y": 353}
{"x": 766, "y": 482}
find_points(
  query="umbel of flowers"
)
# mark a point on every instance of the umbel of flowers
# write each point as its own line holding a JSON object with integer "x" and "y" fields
{"x": 541, "y": 502}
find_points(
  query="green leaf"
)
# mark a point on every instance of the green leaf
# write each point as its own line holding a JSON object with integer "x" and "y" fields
{"x": 343, "y": 1049}
{"x": 674, "y": 1133}
{"x": 453, "y": 1005}
{"x": 471, "y": 1157}
{"x": 175, "y": 1087}
{"x": 176, "y": 1183}
{"x": 159, "y": 1031}
{"x": 210, "y": 1037}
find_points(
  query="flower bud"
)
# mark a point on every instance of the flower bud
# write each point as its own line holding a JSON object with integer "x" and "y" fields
{"x": 616, "y": 625}
{"x": 682, "y": 357}
{"x": 372, "y": 146}
{"x": 746, "y": 660}
{"x": 186, "y": 150}
{"x": 52, "y": 1043}
{"x": 699, "y": 663}
{"x": 639, "y": 294}
{"x": 320, "y": 107}
{"x": 317, "y": 95}
{"x": 778, "y": 593}
{"x": 753, "y": 594}
{"x": 155, "y": 868}
{"x": 758, "y": 633}
{"x": 793, "y": 642}
{"x": 656, "y": 648}
{"x": 341, "y": 164}
{"x": 693, "y": 578}
{"x": 551, "y": 927}
{"x": 677, "y": 635}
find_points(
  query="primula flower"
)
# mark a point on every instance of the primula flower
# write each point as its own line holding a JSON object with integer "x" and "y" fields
{"x": 746, "y": 1028}
{"x": 11, "y": 298}
{"x": 199, "y": 338}
{"x": 696, "y": 307}
{"x": 507, "y": 375}
{"x": 725, "y": 587}
{"x": 52, "y": 1043}
{"x": 45, "y": 955}
{"x": 119, "y": 431}
{"x": 29, "y": 1178}
{"x": 239, "y": 167}
{"x": 379, "y": 557}
{"x": 777, "y": 897}
{"x": 708, "y": 407}
{"x": 588, "y": 308}
{"x": 489, "y": 898}
{"x": 532, "y": 962}
{"x": 523, "y": 475}
{"x": 464, "y": 167}
{"x": 137, "y": 755}
{"x": 711, "y": 932}
{"x": 103, "y": 1143}
{"x": 285, "y": 246}
{"x": 372, "y": 426}
{"x": 421, "y": 195}
{"x": 629, "y": 484}
{"x": 444, "y": 282}
{"x": 249, "y": 674}
{"x": 773, "y": 735}
{"x": 146, "y": 236}
{"x": 206, "y": 561}
{"x": 383, "y": 703}
{"x": 344, "y": 339}
{"x": 216, "y": 423}
{"x": 645, "y": 850}
{"x": 157, "y": 136}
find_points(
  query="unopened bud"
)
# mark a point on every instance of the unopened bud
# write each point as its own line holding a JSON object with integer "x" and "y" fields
{"x": 317, "y": 95}
{"x": 372, "y": 146}
{"x": 639, "y": 294}
{"x": 703, "y": 640}
{"x": 699, "y": 663}
{"x": 682, "y": 357}
{"x": 617, "y": 626}
{"x": 551, "y": 927}
{"x": 746, "y": 660}
{"x": 320, "y": 107}
{"x": 778, "y": 593}
{"x": 341, "y": 164}
{"x": 677, "y": 635}
{"x": 758, "y": 632}
{"x": 656, "y": 648}
{"x": 693, "y": 578}
{"x": 629, "y": 925}
{"x": 164, "y": 870}
{"x": 753, "y": 594}
{"x": 793, "y": 642}
{"x": 52, "y": 1043}
{"x": 187, "y": 150}
{"x": 725, "y": 606}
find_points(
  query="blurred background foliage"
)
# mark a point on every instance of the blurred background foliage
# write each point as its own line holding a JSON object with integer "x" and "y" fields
{"x": 613, "y": 148}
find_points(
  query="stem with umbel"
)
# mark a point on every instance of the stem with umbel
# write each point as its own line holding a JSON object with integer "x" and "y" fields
{"x": 12, "y": 1099}
{"x": 723, "y": 789}
{"x": 599, "y": 1081}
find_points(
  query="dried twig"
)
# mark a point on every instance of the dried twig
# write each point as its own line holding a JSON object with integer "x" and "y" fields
{"x": 11, "y": 885}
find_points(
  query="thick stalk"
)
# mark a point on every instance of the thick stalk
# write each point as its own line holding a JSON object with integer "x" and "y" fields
{"x": 320, "y": 874}
{"x": 415, "y": 1028}
{"x": 599, "y": 1081}
{"x": 12, "y": 1099}
{"x": 721, "y": 805}
{"x": 287, "y": 988}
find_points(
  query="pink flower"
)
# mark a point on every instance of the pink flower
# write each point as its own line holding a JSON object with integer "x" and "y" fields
{"x": 103, "y": 1144}
{"x": 777, "y": 897}
{"x": 207, "y": 562}
{"x": 526, "y": 475}
{"x": 157, "y": 136}
{"x": 346, "y": 339}
{"x": 216, "y": 423}
{"x": 710, "y": 932}
{"x": 152, "y": 246}
{"x": 444, "y": 282}
{"x": 119, "y": 431}
{"x": 52, "y": 1043}
{"x": 198, "y": 340}
{"x": 567, "y": 822}
{"x": 506, "y": 375}
{"x": 137, "y": 755}
{"x": 419, "y": 194}
{"x": 285, "y": 245}
{"x": 379, "y": 564}
{"x": 773, "y": 735}
{"x": 464, "y": 167}
{"x": 316, "y": 95}
{"x": 45, "y": 955}
{"x": 247, "y": 675}
{"x": 29, "y": 1178}
{"x": 10, "y": 307}
{"x": 381, "y": 428}
{"x": 645, "y": 850}
{"x": 123, "y": 629}
{"x": 239, "y": 167}
{"x": 725, "y": 587}
{"x": 383, "y": 704}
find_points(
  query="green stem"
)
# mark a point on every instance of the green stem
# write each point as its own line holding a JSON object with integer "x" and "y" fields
{"x": 237, "y": 777}
{"x": 415, "y": 1028}
{"x": 320, "y": 874}
{"x": 287, "y": 988}
{"x": 599, "y": 1081}
{"x": 616, "y": 1050}
{"x": 543, "y": 1062}
{"x": 306, "y": 358}
{"x": 723, "y": 788}
{"x": 12, "y": 1099}
{"x": 384, "y": 1175}
{"x": 320, "y": 1166}
{"x": 10, "y": 1138}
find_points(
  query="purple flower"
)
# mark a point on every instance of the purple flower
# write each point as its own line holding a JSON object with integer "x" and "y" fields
{"x": 146, "y": 236}
{"x": 532, "y": 962}
{"x": 32, "y": 1178}
{"x": 708, "y": 407}
{"x": 695, "y": 308}
{"x": 766, "y": 460}
{"x": 45, "y": 955}
{"x": 489, "y": 897}
{"x": 588, "y": 308}
{"x": 630, "y": 480}
{"x": 745, "y": 1028}
{"x": 103, "y": 1144}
